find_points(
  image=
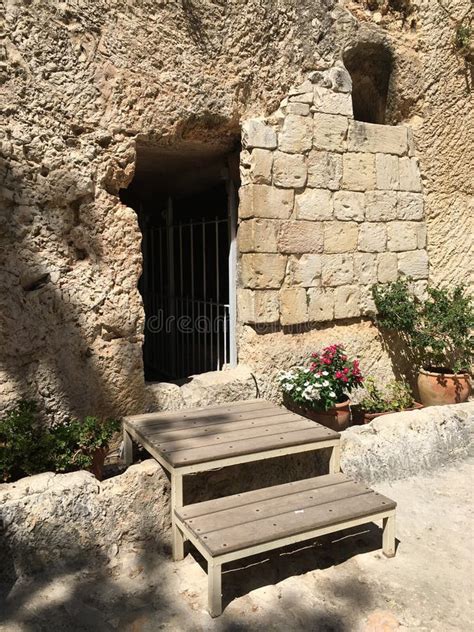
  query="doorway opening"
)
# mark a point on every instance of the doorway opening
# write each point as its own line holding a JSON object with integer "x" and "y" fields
{"x": 370, "y": 67}
{"x": 186, "y": 202}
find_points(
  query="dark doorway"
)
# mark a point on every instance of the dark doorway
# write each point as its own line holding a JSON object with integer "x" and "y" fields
{"x": 370, "y": 67}
{"x": 186, "y": 205}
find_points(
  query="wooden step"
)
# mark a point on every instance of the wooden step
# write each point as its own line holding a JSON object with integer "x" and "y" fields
{"x": 255, "y": 518}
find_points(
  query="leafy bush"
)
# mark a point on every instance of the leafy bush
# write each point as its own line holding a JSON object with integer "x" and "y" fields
{"x": 27, "y": 447}
{"x": 395, "y": 397}
{"x": 438, "y": 329}
{"x": 329, "y": 379}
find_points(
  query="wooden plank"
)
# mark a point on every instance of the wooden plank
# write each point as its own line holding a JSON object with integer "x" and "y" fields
{"x": 234, "y": 448}
{"x": 266, "y": 493}
{"x": 214, "y": 420}
{"x": 275, "y": 507}
{"x": 214, "y": 439}
{"x": 294, "y": 523}
{"x": 199, "y": 412}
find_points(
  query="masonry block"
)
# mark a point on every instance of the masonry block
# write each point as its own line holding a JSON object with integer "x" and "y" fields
{"x": 369, "y": 137}
{"x": 358, "y": 172}
{"x": 260, "y": 166}
{"x": 349, "y": 205}
{"x": 330, "y": 132}
{"x": 262, "y": 271}
{"x": 296, "y": 134}
{"x": 320, "y": 304}
{"x": 289, "y": 170}
{"x": 402, "y": 236}
{"x": 388, "y": 174}
{"x": 337, "y": 269}
{"x": 301, "y": 109}
{"x": 258, "y": 306}
{"x": 387, "y": 267}
{"x": 413, "y": 264}
{"x": 256, "y": 133}
{"x": 410, "y": 206}
{"x": 381, "y": 206}
{"x": 330, "y": 102}
{"x": 409, "y": 175}
{"x": 324, "y": 170}
{"x": 372, "y": 237}
{"x": 299, "y": 237}
{"x": 304, "y": 271}
{"x": 257, "y": 235}
{"x": 340, "y": 236}
{"x": 314, "y": 204}
{"x": 346, "y": 301}
{"x": 365, "y": 267}
{"x": 366, "y": 301}
{"x": 260, "y": 200}
{"x": 293, "y": 306}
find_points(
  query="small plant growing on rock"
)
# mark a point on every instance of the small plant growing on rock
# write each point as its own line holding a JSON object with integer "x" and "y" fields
{"x": 396, "y": 396}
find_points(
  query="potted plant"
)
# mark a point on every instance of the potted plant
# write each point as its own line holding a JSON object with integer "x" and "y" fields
{"x": 438, "y": 332}
{"x": 320, "y": 391}
{"x": 377, "y": 401}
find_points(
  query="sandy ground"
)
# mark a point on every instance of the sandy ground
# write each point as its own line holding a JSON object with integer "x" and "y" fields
{"x": 340, "y": 583}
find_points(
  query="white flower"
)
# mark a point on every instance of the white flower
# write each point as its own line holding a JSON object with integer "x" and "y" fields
{"x": 298, "y": 388}
{"x": 332, "y": 394}
{"x": 324, "y": 373}
{"x": 325, "y": 383}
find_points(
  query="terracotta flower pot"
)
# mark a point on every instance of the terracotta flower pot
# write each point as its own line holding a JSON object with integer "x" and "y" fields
{"x": 438, "y": 388}
{"x": 336, "y": 418}
{"x": 98, "y": 460}
{"x": 359, "y": 416}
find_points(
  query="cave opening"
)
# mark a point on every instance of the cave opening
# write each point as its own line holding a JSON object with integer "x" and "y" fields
{"x": 370, "y": 66}
{"x": 185, "y": 198}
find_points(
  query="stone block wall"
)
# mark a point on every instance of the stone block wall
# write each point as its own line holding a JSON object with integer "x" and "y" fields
{"x": 328, "y": 206}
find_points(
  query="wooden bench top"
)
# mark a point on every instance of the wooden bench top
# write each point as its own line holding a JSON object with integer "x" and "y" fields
{"x": 253, "y": 518}
{"x": 216, "y": 433}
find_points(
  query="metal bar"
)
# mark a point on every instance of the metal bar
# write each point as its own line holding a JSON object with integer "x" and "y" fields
{"x": 232, "y": 263}
{"x": 217, "y": 296}
{"x": 204, "y": 282}
{"x": 171, "y": 284}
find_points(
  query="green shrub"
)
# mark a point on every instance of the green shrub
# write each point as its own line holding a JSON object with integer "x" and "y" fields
{"x": 438, "y": 330}
{"x": 395, "y": 397}
{"x": 27, "y": 447}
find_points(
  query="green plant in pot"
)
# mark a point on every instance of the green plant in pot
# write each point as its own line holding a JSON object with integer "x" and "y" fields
{"x": 377, "y": 401}
{"x": 320, "y": 390}
{"x": 438, "y": 332}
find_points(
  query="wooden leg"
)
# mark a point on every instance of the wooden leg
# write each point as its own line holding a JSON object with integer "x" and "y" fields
{"x": 335, "y": 460}
{"x": 389, "y": 536}
{"x": 214, "y": 586}
{"x": 127, "y": 448}
{"x": 176, "y": 502}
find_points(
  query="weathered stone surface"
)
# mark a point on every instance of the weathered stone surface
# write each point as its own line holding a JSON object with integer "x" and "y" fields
{"x": 337, "y": 269}
{"x": 256, "y": 167}
{"x": 304, "y": 270}
{"x": 262, "y": 271}
{"x": 402, "y": 444}
{"x": 340, "y": 79}
{"x": 365, "y": 267}
{"x": 295, "y": 136}
{"x": 293, "y": 306}
{"x": 413, "y": 264}
{"x": 331, "y": 102}
{"x": 289, "y": 170}
{"x": 372, "y": 237}
{"x": 381, "y": 206}
{"x": 349, "y": 205}
{"x": 257, "y": 235}
{"x": 257, "y": 133}
{"x": 387, "y": 267}
{"x": 366, "y": 301}
{"x": 410, "y": 206}
{"x": 301, "y": 109}
{"x": 314, "y": 204}
{"x": 320, "y": 304}
{"x": 346, "y": 301}
{"x": 358, "y": 172}
{"x": 299, "y": 237}
{"x": 388, "y": 174}
{"x": 258, "y": 306}
{"x": 330, "y": 132}
{"x": 340, "y": 236}
{"x": 324, "y": 170}
{"x": 402, "y": 236}
{"x": 377, "y": 138}
{"x": 409, "y": 175}
{"x": 421, "y": 234}
{"x": 217, "y": 387}
{"x": 259, "y": 200}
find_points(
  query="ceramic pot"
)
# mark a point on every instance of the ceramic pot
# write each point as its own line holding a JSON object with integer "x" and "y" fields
{"x": 98, "y": 459}
{"x": 359, "y": 416}
{"x": 438, "y": 388}
{"x": 336, "y": 418}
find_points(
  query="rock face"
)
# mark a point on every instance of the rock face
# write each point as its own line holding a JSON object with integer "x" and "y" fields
{"x": 65, "y": 520}
{"x": 83, "y": 82}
